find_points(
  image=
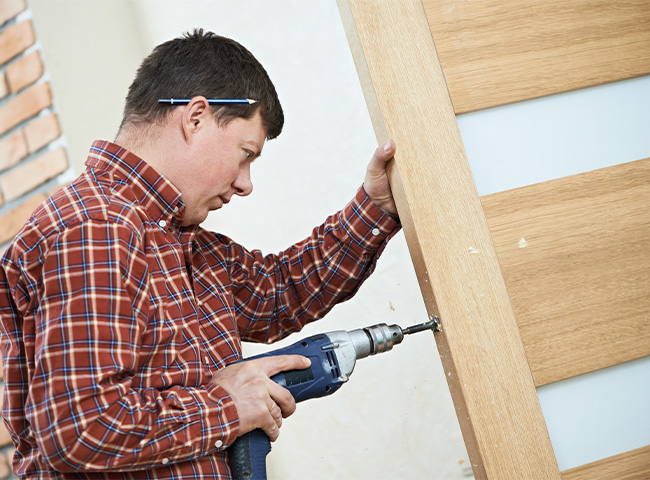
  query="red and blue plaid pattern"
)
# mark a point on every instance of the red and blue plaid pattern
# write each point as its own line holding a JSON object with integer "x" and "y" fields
{"x": 114, "y": 319}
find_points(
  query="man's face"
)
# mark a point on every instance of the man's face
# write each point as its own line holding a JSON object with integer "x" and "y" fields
{"x": 219, "y": 164}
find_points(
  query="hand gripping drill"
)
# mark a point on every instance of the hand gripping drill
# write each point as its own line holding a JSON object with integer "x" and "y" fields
{"x": 333, "y": 356}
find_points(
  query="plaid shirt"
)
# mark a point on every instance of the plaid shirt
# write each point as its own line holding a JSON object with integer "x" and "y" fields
{"x": 114, "y": 318}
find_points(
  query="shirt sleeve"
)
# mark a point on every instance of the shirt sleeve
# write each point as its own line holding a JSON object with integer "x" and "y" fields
{"x": 85, "y": 410}
{"x": 276, "y": 295}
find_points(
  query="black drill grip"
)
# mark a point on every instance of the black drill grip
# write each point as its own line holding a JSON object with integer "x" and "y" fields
{"x": 248, "y": 456}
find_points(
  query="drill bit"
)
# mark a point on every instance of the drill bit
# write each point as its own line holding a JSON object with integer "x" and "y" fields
{"x": 433, "y": 324}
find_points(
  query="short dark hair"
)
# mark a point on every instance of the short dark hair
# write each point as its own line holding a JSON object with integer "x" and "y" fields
{"x": 202, "y": 63}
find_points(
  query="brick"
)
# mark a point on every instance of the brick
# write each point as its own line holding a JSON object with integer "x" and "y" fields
{"x": 15, "y": 39}
{"x": 26, "y": 104}
{"x": 10, "y": 8}
{"x": 13, "y": 148}
{"x": 41, "y": 131}
{"x": 12, "y": 221}
{"x": 24, "y": 71}
{"x": 27, "y": 176}
{"x": 4, "y": 88}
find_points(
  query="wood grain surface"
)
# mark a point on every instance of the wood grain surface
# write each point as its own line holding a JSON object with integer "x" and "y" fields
{"x": 495, "y": 52}
{"x": 632, "y": 465}
{"x": 575, "y": 254}
{"x": 449, "y": 241}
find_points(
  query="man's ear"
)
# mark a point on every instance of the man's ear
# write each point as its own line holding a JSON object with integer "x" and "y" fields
{"x": 193, "y": 116}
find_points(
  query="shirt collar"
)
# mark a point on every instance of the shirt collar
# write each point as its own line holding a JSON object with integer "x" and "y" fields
{"x": 159, "y": 197}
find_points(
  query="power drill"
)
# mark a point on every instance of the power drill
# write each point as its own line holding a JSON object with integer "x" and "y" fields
{"x": 333, "y": 356}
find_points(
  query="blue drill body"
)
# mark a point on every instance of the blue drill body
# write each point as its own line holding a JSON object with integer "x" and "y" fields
{"x": 323, "y": 377}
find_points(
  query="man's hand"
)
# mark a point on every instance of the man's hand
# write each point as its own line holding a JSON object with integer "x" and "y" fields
{"x": 376, "y": 181}
{"x": 260, "y": 402}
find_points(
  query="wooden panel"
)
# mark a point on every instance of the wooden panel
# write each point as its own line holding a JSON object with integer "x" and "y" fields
{"x": 501, "y": 51}
{"x": 632, "y": 465}
{"x": 579, "y": 281}
{"x": 449, "y": 240}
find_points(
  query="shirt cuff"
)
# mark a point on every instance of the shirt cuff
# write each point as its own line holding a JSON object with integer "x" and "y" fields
{"x": 220, "y": 423}
{"x": 366, "y": 223}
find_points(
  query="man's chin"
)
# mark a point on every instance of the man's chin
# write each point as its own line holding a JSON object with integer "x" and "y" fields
{"x": 195, "y": 219}
{"x": 217, "y": 204}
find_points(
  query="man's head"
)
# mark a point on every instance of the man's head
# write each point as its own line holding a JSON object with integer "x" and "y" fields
{"x": 205, "y": 64}
{"x": 204, "y": 150}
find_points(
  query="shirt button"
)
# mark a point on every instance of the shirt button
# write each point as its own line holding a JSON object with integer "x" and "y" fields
{"x": 206, "y": 360}
{"x": 375, "y": 231}
{"x": 162, "y": 223}
{"x": 165, "y": 461}
{"x": 218, "y": 444}
{"x": 175, "y": 209}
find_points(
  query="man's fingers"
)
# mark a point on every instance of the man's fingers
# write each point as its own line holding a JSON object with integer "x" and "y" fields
{"x": 276, "y": 413}
{"x": 382, "y": 155}
{"x": 260, "y": 402}
{"x": 280, "y": 395}
{"x": 272, "y": 431}
{"x": 376, "y": 182}
{"x": 283, "y": 398}
{"x": 273, "y": 422}
{"x": 280, "y": 363}
{"x": 387, "y": 150}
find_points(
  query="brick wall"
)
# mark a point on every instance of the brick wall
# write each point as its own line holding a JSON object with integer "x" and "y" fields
{"x": 33, "y": 154}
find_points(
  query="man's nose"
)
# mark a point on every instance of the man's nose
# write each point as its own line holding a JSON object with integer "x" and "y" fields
{"x": 243, "y": 185}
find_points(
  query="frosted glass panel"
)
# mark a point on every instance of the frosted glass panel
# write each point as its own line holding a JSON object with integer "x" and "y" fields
{"x": 552, "y": 137}
{"x": 598, "y": 414}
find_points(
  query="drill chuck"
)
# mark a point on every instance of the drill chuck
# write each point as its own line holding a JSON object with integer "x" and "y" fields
{"x": 383, "y": 337}
{"x": 362, "y": 342}
{"x": 352, "y": 345}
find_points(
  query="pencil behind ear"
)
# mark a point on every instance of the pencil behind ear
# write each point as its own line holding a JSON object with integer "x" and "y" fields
{"x": 196, "y": 112}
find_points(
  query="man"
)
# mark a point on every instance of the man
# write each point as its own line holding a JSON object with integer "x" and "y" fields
{"x": 121, "y": 318}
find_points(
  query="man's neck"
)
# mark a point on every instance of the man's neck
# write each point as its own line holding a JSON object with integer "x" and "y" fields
{"x": 151, "y": 143}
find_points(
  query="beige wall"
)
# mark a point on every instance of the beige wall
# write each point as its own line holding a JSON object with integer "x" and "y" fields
{"x": 90, "y": 49}
{"x": 395, "y": 418}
